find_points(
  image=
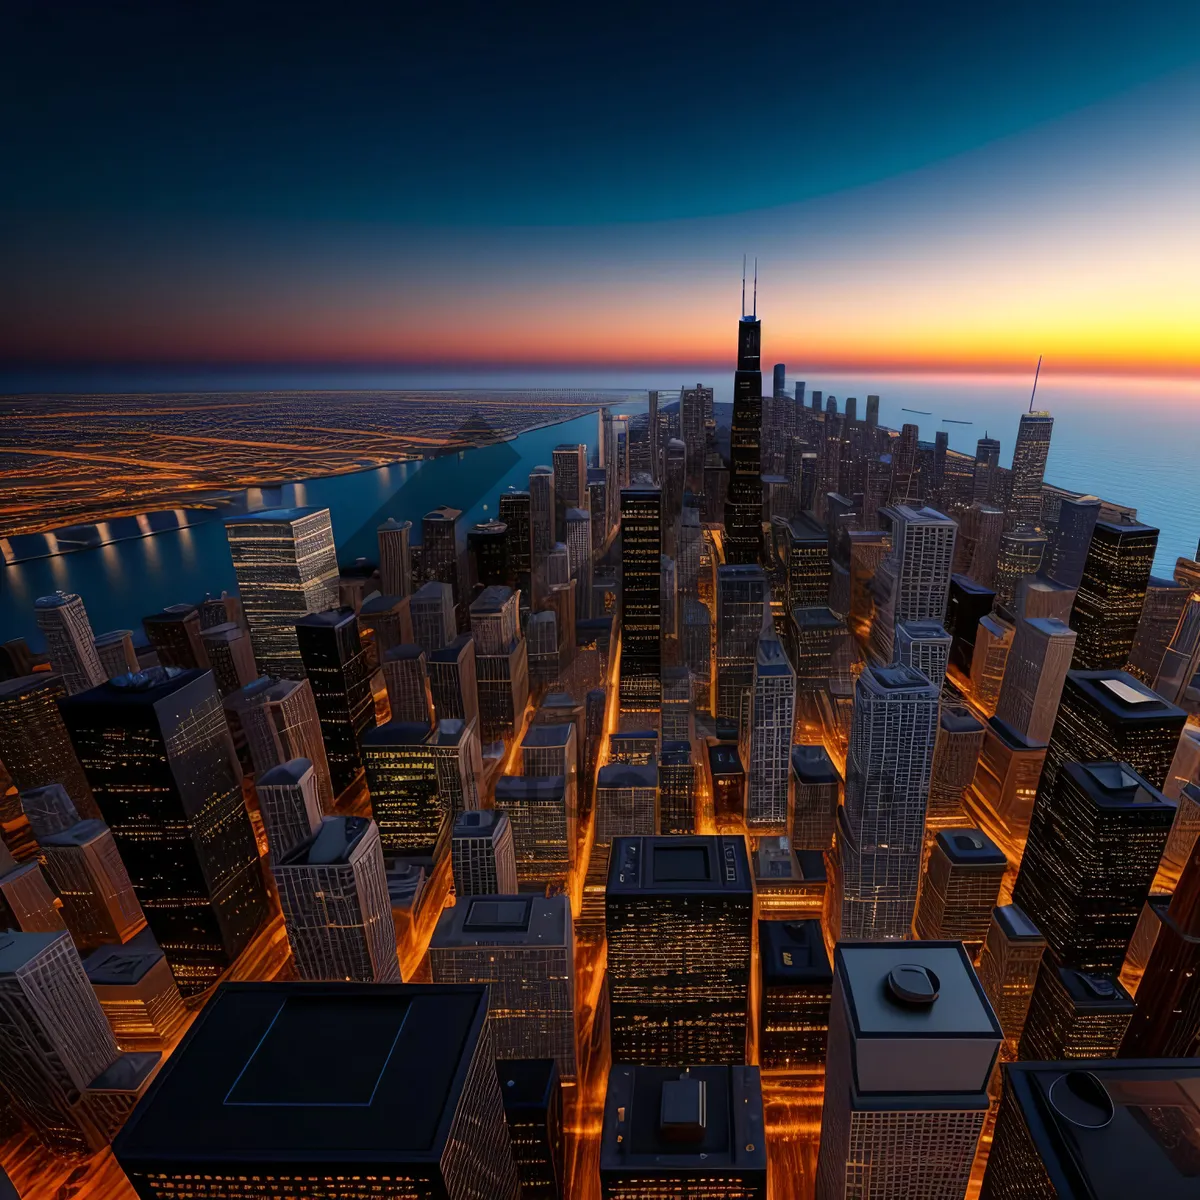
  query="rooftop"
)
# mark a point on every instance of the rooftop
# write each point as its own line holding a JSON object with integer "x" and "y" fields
{"x": 16, "y": 949}
{"x": 1115, "y": 785}
{"x": 443, "y": 513}
{"x": 812, "y": 765}
{"x": 453, "y": 649}
{"x": 381, "y": 604}
{"x": 625, "y": 775}
{"x": 517, "y": 788}
{"x": 816, "y": 616}
{"x": 289, "y": 773}
{"x": 531, "y": 921}
{"x": 79, "y": 834}
{"x": 723, "y": 759}
{"x": 140, "y": 687}
{"x": 117, "y": 966}
{"x": 970, "y": 848}
{"x": 1091, "y": 1125}
{"x": 492, "y": 599}
{"x": 478, "y": 822}
{"x": 896, "y": 678}
{"x": 259, "y": 1077}
{"x": 793, "y": 952}
{"x": 557, "y": 734}
{"x": 397, "y": 733}
{"x": 806, "y": 528}
{"x": 334, "y": 842}
{"x": 680, "y": 863}
{"x": 1095, "y": 991}
{"x": 527, "y": 1083}
{"x": 1015, "y": 925}
{"x": 675, "y": 754}
{"x": 958, "y": 720}
{"x": 331, "y": 618}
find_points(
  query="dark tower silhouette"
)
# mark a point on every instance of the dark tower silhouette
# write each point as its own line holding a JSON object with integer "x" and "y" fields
{"x": 744, "y": 507}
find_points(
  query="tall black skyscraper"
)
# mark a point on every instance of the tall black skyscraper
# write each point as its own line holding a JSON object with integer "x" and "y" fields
{"x": 337, "y": 669}
{"x": 1102, "y": 715}
{"x": 744, "y": 507}
{"x": 162, "y": 767}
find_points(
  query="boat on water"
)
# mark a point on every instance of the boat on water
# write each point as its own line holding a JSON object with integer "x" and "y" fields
{"x": 919, "y": 411}
{"x": 952, "y": 421}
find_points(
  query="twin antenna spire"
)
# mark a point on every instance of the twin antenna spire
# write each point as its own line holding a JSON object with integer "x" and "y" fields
{"x": 754, "y": 313}
{"x": 1035, "y": 374}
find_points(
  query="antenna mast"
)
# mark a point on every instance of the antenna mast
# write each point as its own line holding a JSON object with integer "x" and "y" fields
{"x": 743, "y": 285}
{"x": 1035, "y": 379}
{"x": 755, "y": 313}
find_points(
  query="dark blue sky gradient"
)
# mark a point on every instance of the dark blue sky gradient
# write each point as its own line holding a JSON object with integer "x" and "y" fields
{"x": 491, "y": 115}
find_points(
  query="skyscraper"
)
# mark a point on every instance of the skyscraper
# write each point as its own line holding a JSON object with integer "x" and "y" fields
{"x": 962, "y": 882}
{"x": 431, "y": 608}
{"x": 993, "y": 644}
{"x": 1079, "y": 1129}
{"x": 453, "y": 680}
{"x": 677, "y": 788}
{"x": 818, "y": 789}
{"x": 987, "y": 459}
{"x": 487, "y": 548}
{"x": 968, "y": 603}
{"x": 901, "y": 1116}
{"x": 1029, "y": 469}
{"x": 523, "y": 948}
{"x": 697, "y": 1132}
{"x": 955, "y": 757}
{"x": 678, "y": 914}
{"x": 808, "y": 567}
{"x": 70, "y": 643}
{"x": 336, "y": 666}
{"x": 98, "y": 902}
{"x": 924, "y": 645}
{"x": 579, "y": 548}
{"x": 744, "y": 507}
{"x": 334, "y": 898}
{"x": 541, "y": 516}
{"x": 414, "y": 1109}
{"x": 290, "y": 805}
{"x": 402, "y": 780}
{"x": 1102, "y": 715}
{"x": 59, "y": 1063}
{"x": 286, "y": 567}
{"x": 395, "y": 557}
{"x": 281, "y": 722}
{"x": 1074, "y": 1014}
{"x": 1112, "y": 593}
{"x": 26, "y": 901}
{"x": 533, "y": 1111}
{"x": 1019, "y": 558}
{"x": 137, "y": 994}
{"x": 743, "y": 596}
{"x": 439, "y": 548}
{"x": 161, "y": 765}
{"x": 407, "y": 681}
{"x": 385, "y": 622}
{"x": 882, "y": 825}
{"x": 116, "y": 653}
{"x": 1067, "y": 551}
{"x": 34, "y": 744}
{"x": 626, "y": 801}
{"x": 482, "y": 854}
{"x": 772, "y": 719}
{"x": 1166, "y": 1016}
{"x": 458, "y": 761}
{"x": 228, "y": 652}
{"x": 1034, "y": 676}
{"x": 514, "y": 509}
{"x": 536, "y": 807}
{"x": 570, "y": 483}
{"x": 795, "y": 989}
{"x": 641, "y": 598}
{"x": 693, "y": 402}
{"x": 922, "y": 557}
{"x": 502, "y": 664}
{"x": 1165, "y": 603}
{"x": 1008, "y": 968}
{"x": 1097, "y": 858}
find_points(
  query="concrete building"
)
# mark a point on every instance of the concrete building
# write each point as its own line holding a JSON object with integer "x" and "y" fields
{"x": 70, "y": 643}
{"x": 482, "y": 854}
{"x": 395, "y": 557}
{"x": 1034, "y": 675}
{"x": 289, "y": 803}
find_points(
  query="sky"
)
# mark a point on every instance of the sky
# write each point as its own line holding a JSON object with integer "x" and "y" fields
{"x": 926, "y": 186}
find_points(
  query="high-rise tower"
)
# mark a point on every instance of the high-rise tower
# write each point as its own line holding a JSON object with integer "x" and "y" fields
{"x": 641, "y": 597}
{"x": 744, "y": 507}
{"x": 69, "y": 641}
{"x": 1029, "y": 469}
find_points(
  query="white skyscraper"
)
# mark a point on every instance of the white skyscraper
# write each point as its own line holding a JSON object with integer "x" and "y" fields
{"x": 881, "y": 827}
{"x": 1034, "y": 676}
{"x": 334, "y": 897}
{"x": 395, "y": 557}
{"x": 69, "y": 641}
{"x": 286, "y": 567}
{"x": 772, "y": 716}
{"x": 912, "y": 1044}
{"x": 924, "y": 645}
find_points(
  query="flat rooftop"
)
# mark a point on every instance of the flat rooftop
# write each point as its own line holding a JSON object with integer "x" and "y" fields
{"x": 397, "y": 733}
{"x": 289, "y": 773}
{"x": 311, "y": 1073}
{"x": 275, "y": 516}
{"x": 1115, "y": 785}
{"x": 679, "y": 863}
{"x": 626, "y": 775}
{"x": 793, "y": 952}
{"x": 971, "y": 848}
{"x": 120, "y": 966}
{"x": 812, "y": 766}
{"x": 1110, "y": 1127}
{"x": 334, "y": 842}
{"x": 1015, "y": 925}
{"x": 516, "y": 922}
{"x": 1120, "y": 694}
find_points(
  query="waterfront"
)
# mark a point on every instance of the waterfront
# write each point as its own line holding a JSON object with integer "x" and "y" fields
{"x": 1129, "y": 440}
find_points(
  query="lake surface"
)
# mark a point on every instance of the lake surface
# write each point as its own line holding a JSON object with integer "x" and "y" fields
{"x": 1133, "y": 441}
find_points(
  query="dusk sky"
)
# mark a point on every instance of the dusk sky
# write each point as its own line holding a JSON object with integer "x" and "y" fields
{"x": 927, "y": 185}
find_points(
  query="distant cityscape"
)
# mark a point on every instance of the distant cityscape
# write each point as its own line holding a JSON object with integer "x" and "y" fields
{"x": 812, "y": 815}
